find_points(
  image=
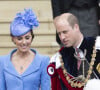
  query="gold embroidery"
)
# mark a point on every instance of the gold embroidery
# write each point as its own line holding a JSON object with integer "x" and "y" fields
{"x": 98, "y": 67}
{"x": 73, "y": 81}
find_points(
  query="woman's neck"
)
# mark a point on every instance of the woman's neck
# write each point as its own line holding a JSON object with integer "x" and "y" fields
{"x": 23, "y": 54}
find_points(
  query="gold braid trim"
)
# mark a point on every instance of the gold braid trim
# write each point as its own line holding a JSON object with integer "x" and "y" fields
{"x": 73, "y": 81}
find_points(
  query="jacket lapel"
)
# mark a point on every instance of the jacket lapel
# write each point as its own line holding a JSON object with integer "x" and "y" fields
{"x": 34, "y": 66}
{"x": 9, "y": 68}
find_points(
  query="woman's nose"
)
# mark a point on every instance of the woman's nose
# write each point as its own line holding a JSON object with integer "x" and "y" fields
{"x": 24, "y": 41}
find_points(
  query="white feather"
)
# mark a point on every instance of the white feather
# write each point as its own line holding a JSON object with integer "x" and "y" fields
{"x": 55, "y": 59}
{"x": 98, "y": 42}
{"x": 93, "y": 84}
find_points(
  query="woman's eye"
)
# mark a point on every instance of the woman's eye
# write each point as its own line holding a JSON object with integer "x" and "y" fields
{"x": 19, "y": 38}
{"x": 28, "y": 37}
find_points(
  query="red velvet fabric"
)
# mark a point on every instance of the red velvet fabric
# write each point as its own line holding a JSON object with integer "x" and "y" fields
{"x": 55, "y": 82}
{"x": 60, "y": 73}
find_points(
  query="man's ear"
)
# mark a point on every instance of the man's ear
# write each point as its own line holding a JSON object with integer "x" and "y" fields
{"x": 76, "y": 27}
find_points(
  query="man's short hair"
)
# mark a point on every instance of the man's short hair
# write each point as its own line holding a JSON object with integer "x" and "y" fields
{"x": 72, "y": 20}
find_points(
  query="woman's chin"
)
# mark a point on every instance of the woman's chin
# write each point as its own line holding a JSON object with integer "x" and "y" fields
{"x": 24, "y": 50}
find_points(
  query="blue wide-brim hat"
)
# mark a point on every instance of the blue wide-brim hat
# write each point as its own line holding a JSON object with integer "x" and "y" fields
{"x": 23, "y": 22}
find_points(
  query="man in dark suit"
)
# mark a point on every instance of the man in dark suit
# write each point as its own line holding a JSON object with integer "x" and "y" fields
{"x": 87, "y": 12}
{"x": 79, "y": 59}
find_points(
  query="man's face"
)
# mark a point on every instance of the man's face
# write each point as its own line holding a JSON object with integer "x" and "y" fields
{"x": 67, "y": 34}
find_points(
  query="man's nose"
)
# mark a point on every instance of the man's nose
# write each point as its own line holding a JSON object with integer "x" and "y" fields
{"x": 62, "y": 36}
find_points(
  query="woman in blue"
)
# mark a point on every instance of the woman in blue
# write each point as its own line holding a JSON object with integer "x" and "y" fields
{"x": 24, "y": 68}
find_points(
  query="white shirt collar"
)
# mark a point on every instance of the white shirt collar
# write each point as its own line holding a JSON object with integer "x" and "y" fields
{"x": 80, "y": 43}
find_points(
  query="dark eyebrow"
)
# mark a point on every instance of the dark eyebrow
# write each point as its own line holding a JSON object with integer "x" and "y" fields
{"x": 28, "y": 36}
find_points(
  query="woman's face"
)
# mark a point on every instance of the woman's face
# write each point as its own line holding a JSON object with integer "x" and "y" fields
{"x": 23, "y": 42}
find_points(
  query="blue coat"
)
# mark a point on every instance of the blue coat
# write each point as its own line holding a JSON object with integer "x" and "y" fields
{"x": 34, "y": 76}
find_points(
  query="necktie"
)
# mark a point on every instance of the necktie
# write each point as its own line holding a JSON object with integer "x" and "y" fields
{"x": 78, "y": 61}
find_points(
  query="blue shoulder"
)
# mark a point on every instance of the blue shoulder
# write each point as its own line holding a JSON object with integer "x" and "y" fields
{"x": 44, "y": 58}
{"x": 3, "y": 58}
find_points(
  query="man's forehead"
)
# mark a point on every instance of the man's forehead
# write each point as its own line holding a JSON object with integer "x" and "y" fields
{"x": 62, "y": 22}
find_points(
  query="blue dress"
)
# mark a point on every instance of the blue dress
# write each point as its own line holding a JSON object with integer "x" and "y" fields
{"x": 34, "y": 76}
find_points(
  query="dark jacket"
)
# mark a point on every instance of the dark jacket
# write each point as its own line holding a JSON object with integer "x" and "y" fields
{"x": 70, "y": 61}
{"x": 63, "y": 6}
